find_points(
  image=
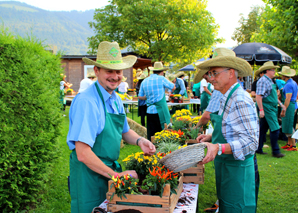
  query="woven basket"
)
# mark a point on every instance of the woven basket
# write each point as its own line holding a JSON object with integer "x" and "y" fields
{"x": 184, "y": 158}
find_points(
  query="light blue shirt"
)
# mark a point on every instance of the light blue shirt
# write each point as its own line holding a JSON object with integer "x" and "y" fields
{"x": 180, "y": 82}
{"x": 154, "y": 88}
{"x": 214, "y": 102}
{"x": 280, "y": 83}
{"x": 87, "y": 115}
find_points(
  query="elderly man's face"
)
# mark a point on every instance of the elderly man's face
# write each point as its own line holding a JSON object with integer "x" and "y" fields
{"x": 108, "y": 79}
{"x": 219, "y": 77}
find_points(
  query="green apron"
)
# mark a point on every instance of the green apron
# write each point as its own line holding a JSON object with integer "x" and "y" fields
{"x": 270, "y": 108}
{"x": 62, "y": 101}
{"x": 205, "y": 98}
{"x": 235, "y": 179}
{"x": 163, "y": 111}
{"x": 87, "y": 188}
{"x": 288, "y": 120}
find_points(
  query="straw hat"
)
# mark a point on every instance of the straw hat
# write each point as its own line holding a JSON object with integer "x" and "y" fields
{"x": 224, "y": 57}
{"x": 287, "y": 71}
{"x": 91, "y": 75}
{"x": 158, "y": 66}
{"x": 142, "y": 76}
{"x": 123, "y": 78}
{"x": 109, "y": 57}
{"x": 198, "y": 76}
{"x": 266, "y": 66}
{"x": 139, "y": 70}
{"x": 171, "y": 77}
{"x": 177, "y": 75}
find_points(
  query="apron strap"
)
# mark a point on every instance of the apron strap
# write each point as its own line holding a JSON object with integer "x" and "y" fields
{"x": 230, "y": 94}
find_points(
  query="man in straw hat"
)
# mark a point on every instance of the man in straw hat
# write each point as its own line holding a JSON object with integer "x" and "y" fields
{"x": 97, "y": 125}
{"x": 153, "y": 91}
{"x": 258, "y": 75}
{"x": 288, "y": 96}
{"x": 235, "y": 135}
{"x": 86, "y": 82}
{"x": 266, "y": 97}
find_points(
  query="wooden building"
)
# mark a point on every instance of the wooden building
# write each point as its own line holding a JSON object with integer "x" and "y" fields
{"x": 76, "y": 69}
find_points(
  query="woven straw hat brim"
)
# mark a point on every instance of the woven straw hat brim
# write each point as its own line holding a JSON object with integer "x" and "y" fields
{"x": 293, "y": 73}
{"x": 199, "y": 76}
{"x": 177, "y": 75}
{"x": 128, "y": 62}
{"x": 243, "y": 67}
{"x": 158, "y": 70}
{"x": 263, "y": 68}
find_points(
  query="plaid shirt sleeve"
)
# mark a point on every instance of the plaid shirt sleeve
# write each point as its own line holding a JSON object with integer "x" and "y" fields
{"x": 264, "y": 87}
{"x": 214, "y": 102}
{"x": 182, "y": 86}
{"x": 240, "y": 125}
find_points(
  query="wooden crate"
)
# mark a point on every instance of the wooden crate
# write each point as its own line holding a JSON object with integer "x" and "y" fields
{"x": 194, "y": 174}
{"x": 135, "y": 98}
{"x": 167, "y": 202}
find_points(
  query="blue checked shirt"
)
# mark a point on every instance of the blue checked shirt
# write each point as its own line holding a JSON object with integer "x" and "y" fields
{"x": 154, "y": 88}
{"x": 213, "y": 105}
{"x": 180, "y": 82}
{"x": 240, "y": 124}
{"x": 264, "y": 86}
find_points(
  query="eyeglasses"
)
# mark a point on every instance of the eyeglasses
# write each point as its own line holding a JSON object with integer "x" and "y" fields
{"x": 214, "y": 74}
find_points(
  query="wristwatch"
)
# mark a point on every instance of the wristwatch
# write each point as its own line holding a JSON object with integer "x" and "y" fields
{"x": 219, "y": 149}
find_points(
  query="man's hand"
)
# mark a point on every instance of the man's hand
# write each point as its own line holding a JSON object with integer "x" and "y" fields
{"x": 147, "y": 147}
{"x": 283, "y": 113}
{"x": 262, "y": 114}
{"x": 204, "y": 138}
{"x": 212, "y": 150}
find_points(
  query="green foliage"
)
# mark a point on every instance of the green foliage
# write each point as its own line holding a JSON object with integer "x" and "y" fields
{"x": 164, "y": 30}
{"x": 278, "y": 25}
{"x": 29, "y": 119}
{"x": 248, "y": 26}
{"x": 164, "y": 147}
{"x": 63, "y": 30}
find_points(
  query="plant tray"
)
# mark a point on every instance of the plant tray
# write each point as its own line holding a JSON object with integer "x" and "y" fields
{"x": 135, "y": 98}
{"x": 146, "y": 203}
{"x": 194, "y": 174}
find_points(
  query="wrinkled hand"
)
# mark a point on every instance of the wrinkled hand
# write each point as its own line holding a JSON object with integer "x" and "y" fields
{"x": 147, "y": 147}
{"x": 262, "y": 114}
{"x": 129, "y": 172}
{"x": 204, "y": 138}
{"x": 283, "y": 113}
{"x": 212, "y": 150}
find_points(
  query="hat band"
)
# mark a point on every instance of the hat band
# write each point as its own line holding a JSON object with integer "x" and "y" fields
{"x": 110, "y": 62}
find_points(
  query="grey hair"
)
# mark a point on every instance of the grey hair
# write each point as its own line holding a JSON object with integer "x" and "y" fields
{"x": 236, "y": 71}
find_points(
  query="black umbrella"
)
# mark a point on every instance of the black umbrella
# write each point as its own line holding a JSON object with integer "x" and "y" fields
{"x": 259, "y": 53}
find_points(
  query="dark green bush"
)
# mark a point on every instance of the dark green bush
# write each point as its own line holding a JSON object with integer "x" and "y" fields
{"x": 30, "y": 116}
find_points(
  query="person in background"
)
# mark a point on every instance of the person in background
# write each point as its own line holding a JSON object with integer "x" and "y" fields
{"x": 197, "y": 94}
{"x": 182, "y": 75}
{"x": 153, "y": 91}
{"x": 258, "y": 75}
{"x": 86, "y": 82}
{"x": 267, "y": 100}
{"x": 235, "y": 135}
{"x": 97, "y": 123}
{"x": 280, "y": 83}
{"x": 206, "y": 92}
{"x": 64, "y": 86}
{"x": 289, "y": 96}
{"x": 240, "y": 81}
{"x": 122, "y": 88}
{"x": 180, "y": 89}
{"x": 142, "y": 107}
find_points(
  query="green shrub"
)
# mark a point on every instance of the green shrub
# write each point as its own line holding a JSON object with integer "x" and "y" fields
{"x": 29, "y": 119}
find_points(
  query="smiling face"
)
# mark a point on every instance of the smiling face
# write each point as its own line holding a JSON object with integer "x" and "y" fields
{"x": 222, "y": 78}
{"x": 108, "y": 79}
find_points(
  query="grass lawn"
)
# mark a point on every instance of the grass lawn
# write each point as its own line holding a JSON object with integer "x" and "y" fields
{"x": 278, "y": 189}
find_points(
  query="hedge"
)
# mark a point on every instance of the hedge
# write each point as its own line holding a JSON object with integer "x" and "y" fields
{"x": 30, "y": 117}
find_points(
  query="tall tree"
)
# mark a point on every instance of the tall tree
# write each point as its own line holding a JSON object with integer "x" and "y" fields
{"x": 279, "y": 25}
{"x": 165, "y": 30}
{"x": 248, "y": 26}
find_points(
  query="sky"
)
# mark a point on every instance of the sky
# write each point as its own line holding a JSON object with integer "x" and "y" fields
{"x": 225, "y": 12}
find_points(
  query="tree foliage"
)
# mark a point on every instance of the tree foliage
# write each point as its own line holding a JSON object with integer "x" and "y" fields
{"x": 248, "y": 26}
{"x": 279, "y": 25}
{"x": 29, "y": 119}
{"x": 164, "y": 30}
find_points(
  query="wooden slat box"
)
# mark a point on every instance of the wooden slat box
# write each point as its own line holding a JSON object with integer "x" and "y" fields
{"x": 194, "y": 174}
{"x": 144, "y": 203}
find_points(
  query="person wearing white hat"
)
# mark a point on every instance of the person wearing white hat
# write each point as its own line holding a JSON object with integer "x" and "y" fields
{"x": 97, "y": 123}
{"x": 122, "y": 88}
{"x": 235, "y": 135}
{"x": 266, "y": 97}
{"x": 86, "y": 82}
{"x": 153, "y": 91}
{"x": 288, "y": 97}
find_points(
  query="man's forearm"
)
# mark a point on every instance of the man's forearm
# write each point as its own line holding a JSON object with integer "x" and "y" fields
{"x": 204, "y": 119}
{"x": 259, "y": 101}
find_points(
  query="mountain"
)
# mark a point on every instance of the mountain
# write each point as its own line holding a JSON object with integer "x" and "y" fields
{"x": 61, "y": 30}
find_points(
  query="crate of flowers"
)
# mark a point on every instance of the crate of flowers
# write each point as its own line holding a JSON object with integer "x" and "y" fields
{"x": 132, "y": 92}
{"x": 157, "y": 188}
